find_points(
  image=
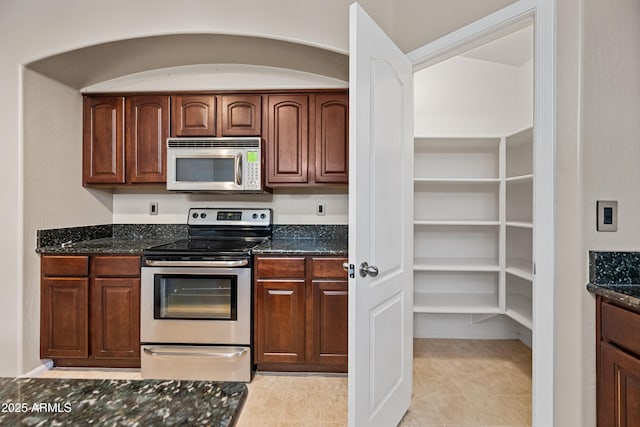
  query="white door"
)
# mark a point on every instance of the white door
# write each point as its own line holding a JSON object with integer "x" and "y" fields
{"x": 380, "y": 226}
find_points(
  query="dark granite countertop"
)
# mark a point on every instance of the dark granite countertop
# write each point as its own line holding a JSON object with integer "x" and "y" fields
{"x": 615, "y": 275}
{"x": 295, "y": 246}
{"x": 107, "y": 245}
{"x": 45, "y": 402}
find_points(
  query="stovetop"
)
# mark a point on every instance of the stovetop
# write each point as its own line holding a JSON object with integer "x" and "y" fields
{"x": 218, "y": 233}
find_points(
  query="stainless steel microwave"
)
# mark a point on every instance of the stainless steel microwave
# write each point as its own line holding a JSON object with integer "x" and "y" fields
{"x": 214, "y": 164}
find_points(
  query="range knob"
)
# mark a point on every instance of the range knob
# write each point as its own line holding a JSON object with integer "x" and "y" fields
{"x": 195, "y": 215}
{"x": 254, "y": 216}
{"x": 203, "y": 215}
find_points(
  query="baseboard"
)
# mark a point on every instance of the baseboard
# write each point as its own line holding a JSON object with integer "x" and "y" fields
{"x": 525, "y": 335}
{"x": 46, "y": 365}
{"x": 464, "y": 326}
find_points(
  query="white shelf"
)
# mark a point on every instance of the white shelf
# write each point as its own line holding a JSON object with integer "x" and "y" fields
{"x": 456, "y": 180}
{"x": 518, "y": 272}
{"x": 457, "y": 223}
{"x": 520, "y": 178}
{"x": 424, "y": 302}
{"x": 519, "y": 308}
{"x": 519, "y": 224}
{"x": 456, "y": 264}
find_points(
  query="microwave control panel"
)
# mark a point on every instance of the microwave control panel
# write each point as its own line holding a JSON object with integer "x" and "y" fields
{"x": 253, "y": 170}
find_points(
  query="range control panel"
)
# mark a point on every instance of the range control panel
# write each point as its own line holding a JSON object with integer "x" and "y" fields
{"x": 242, "y": 216}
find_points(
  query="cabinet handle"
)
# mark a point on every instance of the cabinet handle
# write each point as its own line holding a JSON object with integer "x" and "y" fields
{"x": 274, "y": 292}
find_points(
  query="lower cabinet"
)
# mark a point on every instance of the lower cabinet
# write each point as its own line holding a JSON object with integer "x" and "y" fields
{"x": 618, "y": 366}
{"x": 90, "y": 310}
{"x": 301, "y": 312}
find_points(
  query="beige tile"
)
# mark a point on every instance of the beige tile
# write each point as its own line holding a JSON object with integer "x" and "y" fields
{"x": 455, "y": 409}
{"x": 301, "y": 407}
{"x": 334, "y": 407}
{"x": 494, "y": 410}
{"x": 521, "y": 405}
{"x": 255, "y": 422}
{"x": 420, "y": 413}
{"x": 267, "y": 406}
{"x": 434, "y": 383}
{"x": 305, "y": 423}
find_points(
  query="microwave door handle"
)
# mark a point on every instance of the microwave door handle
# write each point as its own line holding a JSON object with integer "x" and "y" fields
{"x": 239, "y": 169}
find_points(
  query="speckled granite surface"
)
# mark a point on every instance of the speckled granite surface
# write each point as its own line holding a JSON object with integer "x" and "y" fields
{"x": 615, "y": 275}
{"x": 306, "y": 240}
{"x": 108, "y": 239}
{"x": 303, "y": 247}
{"x": 134, "y": 238}
{"x": 46, "y": 402}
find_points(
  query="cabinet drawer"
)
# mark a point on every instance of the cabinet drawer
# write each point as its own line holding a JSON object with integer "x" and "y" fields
{"x": 65, "y": 266}
{"x": 116, "y": 266}
{"x": 621, "y": 326}
{"x": 275, "y": 267}
{"x": 328, "y": 268}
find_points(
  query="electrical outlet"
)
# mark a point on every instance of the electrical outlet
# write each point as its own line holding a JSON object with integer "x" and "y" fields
{"x": 153, "y": 208}
{"x": 607, "y": 215}
{"x": 320, "y": 209}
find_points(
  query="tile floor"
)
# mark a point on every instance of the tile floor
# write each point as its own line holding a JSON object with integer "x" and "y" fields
{"x": 456, "y": 383}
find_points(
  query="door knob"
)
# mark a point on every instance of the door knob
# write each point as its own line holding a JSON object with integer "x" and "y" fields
{"x": 368, "y": 270}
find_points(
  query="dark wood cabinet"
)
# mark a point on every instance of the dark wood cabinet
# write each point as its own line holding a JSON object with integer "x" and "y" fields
{"x": 307, "y": 139}
{"x": 618, "y": 365}
{"x": 301, "y": 314}
{"x": 147, "y": 129}
{"x": 124, "y": 140}
{"x": 90, "y": 310}
{"x": 330, "y": 311}
{"x": 241, "y": 115}
{"x": 103, "y": 140}
{"x": 287, "y": 139}
{"x": 332, "y": 138}
{"x": 193, "y": 115}
{"x": 64, "y": 317}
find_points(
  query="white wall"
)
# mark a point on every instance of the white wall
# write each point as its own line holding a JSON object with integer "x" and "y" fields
{"x": 53, "y": 193}
{"x": 470, "y": 97}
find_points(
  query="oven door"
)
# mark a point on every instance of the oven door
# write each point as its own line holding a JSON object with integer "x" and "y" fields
{"x": 195, "y": 305}
{"x": 210, "y": 169}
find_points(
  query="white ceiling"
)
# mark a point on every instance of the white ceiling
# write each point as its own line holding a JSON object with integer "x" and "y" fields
{"x": 514, "y": 50}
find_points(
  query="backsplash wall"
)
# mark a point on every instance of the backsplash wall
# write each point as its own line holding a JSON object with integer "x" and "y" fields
{"x": 131, "y": 206}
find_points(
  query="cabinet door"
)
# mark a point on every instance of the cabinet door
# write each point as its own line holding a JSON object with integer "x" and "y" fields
{"x": 287, "y": 139}
{"x": 115, "y": 318}
{"x": 280, "y": 321}
{"x": 330, "y": 322}
{"x": 332, "y": 138}
{"x": 64, "y": 317}
{"x": 241, "y": 115}
{"x": 193, "y": 115}
{"x": 103, "y": 140}
{"x": 619, "y": 388}
{"x": 147, "y": 128}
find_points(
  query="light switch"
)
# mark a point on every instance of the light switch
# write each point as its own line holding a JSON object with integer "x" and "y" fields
{"x": 607, "y": 215}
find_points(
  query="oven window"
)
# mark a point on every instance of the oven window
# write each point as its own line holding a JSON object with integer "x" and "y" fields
{"x": 204, "y": 297}
{"x": 208, "y": 169}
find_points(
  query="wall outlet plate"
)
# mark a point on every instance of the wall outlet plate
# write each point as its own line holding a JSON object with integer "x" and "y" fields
{"x": 321, "y": 209}
{"x": 153, "y": 208}
{"x": 607, "y": 215}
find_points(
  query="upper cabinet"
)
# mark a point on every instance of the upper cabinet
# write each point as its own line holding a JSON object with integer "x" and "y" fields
{"x": 119, "y": 139}
{"x": 287, "y": 139}
{"x": 193, "y": 115}
{"x": 241, "y": 115}
{"x": 307, "y": 139}
{"x": 103, "y": 140}
{"x": 147, "y": 129}
{"x": 332, "y": 138}
{"x": 305, "y": 133}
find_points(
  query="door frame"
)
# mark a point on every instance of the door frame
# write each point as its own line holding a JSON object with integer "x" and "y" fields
{"x": 543, "y": 16}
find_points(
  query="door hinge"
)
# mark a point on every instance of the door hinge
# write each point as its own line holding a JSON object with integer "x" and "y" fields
{"x": 352, "y": 271}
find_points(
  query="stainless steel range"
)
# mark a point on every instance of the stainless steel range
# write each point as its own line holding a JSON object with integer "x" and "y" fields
{"x": 196, "y": 299}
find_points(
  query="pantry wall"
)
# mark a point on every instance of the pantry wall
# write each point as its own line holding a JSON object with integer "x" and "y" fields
{"x": 473, "y": 193}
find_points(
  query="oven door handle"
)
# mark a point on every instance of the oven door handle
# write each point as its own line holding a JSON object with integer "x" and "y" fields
{"x": 223, "y": 355}
{"x": 236, "y": 263}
